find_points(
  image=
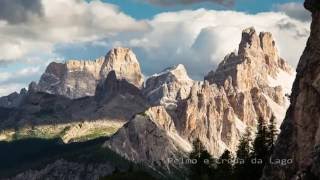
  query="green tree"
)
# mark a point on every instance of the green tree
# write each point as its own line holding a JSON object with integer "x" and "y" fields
{"x": 225, "y": 166}
{"x": 260, "y": 154}
{"x": 272, "y": 134}
{"x": 203, "y": 168}
{"x": 243, "y": 160}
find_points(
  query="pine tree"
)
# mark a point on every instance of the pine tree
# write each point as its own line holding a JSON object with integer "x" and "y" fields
{"x": 260, "y": 154}
{"x": 243, "y": 163}
{"x": 203, "y": 169}
{"x": 272, "y": 134}
{"x": 224, "y": 166}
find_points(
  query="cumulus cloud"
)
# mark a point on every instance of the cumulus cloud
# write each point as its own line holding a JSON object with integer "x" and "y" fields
{"x": 177, "y": 2}
{"x": 198, "y": 39}
{"x": 58, "y": 21}
{"x": 201, "y": 38}
{"x": 18, "y": 11}
{"x": 294, "y": 10}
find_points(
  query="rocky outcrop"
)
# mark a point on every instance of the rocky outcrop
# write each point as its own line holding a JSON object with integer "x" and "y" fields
{"x": 208, "y": 115}
{"x": 125, "y": 64}
{"x": 150, "y": 138}
{"x": 217, "y": 110}
{"x": 299, "y": 140}
{"x": 246, "y": 86}
{"x": 76, "y": 79}
{"x": 256, "y": 62}
{"x": 168, "y": 87}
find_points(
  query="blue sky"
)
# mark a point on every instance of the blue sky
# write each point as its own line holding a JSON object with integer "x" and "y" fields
{"x": 141, "y": 10}
{"x": 197, "y": 35}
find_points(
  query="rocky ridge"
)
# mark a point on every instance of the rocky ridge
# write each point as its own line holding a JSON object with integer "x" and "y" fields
{"x": 47, "y": 115}
{"x": 217, "y": 110}
{"x": 244, "y": 88}
{"x": 76, "y": 79}
{"x": 170, "y": 110}
{"x": 150, "y": 138}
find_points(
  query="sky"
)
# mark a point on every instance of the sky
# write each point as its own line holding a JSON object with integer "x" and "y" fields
{"x": 162, "y": 33}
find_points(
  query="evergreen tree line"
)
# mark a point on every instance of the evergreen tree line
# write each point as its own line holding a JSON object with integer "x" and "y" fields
{"x": 248, "y": 161}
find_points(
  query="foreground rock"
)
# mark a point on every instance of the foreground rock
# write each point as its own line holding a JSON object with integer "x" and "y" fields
{"x": 299, "y": 140}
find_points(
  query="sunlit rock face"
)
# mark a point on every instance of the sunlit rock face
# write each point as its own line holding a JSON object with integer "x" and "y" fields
{"x": 244, "y": 87}
{"x": 163, "y": 115}
{"x": 299, "y": 140}
{"x": 76, "y": 79}
{"x": 151, "y": 138}
{"x": 168, "y": 87}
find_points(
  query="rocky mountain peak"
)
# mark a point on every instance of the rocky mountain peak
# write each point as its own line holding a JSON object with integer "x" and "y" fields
{"x": 79, "y": 78}
{"x": 249, "y": 40}
{"x": 125, "y": 64}
{"x": 257, "y": 58}
{"x": 56, "y": 68}
{"x": 168, "y": 86}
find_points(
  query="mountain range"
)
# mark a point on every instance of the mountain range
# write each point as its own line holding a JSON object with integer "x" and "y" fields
{"x": 150, "y": 120}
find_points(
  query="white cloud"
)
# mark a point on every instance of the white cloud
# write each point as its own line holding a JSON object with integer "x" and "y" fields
{"x": 197, "y": 38}
{"x": 63, "y": 22}
{"x": 201, "y": 38}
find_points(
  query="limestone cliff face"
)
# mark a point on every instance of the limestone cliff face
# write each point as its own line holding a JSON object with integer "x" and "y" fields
{"x": 217, "y": 111}
{"x": 300, "y": 132}
{"x": 208, "y": 115}
{"x": 257, "y": 61}
{"x": 168, "y": 87}
{"x": 150, "y": 138}
{"x": 125, "y": 64}
{"x": 75, "y": 79}
{"x": 243, "y": 88}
